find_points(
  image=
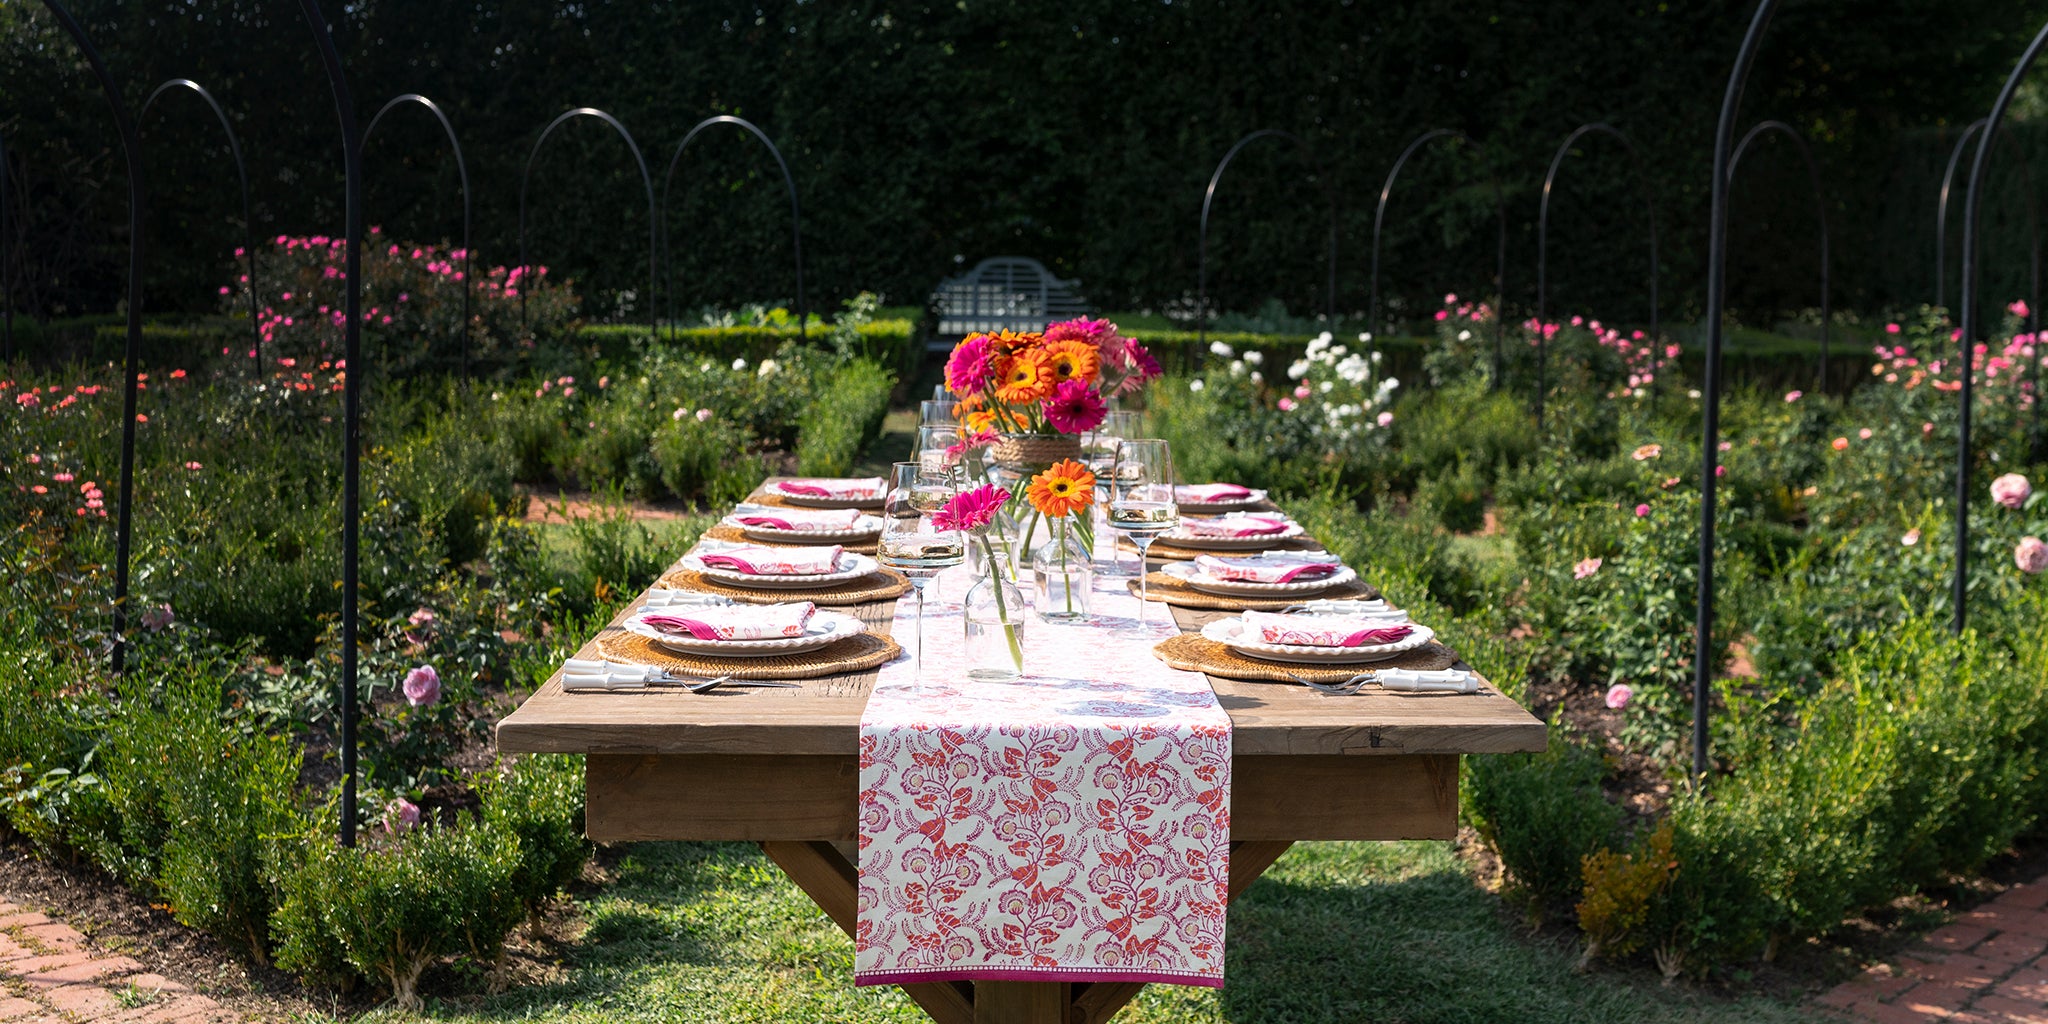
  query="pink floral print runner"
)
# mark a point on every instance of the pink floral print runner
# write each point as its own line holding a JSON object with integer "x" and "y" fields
{"x": 1071, "y": 826}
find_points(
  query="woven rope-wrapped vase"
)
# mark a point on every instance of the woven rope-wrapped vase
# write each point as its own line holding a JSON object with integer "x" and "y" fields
{"x": 1034, "y": 452}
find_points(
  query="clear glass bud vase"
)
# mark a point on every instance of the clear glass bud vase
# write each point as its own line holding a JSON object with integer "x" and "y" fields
{"x": 1062, "y": 573}
{"x": 994, "y": 612}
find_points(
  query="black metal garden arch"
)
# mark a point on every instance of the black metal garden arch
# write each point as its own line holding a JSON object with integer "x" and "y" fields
{"x": 1955, "y": 157}
{"x": 653, "y": 215}
{"x": 131, "y": 152}
{"x": 796, "y": 216}
{"x": 6, "y": 280}
{"x": 1973, "y": 200}
{"x": 1500, "y": 278}
{"x": 1820, "y": 209}
{"x": 241, "y": 177}
{"x": 1543, "y": 243}
{"x": 462, "y": 171}
{"x": 1209, "y": 197}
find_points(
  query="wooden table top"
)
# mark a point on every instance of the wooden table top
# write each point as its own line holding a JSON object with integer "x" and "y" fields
{"x": 822, "y": 717}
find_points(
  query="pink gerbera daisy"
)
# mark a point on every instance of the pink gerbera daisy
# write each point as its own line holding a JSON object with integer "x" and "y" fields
{"x": 1074, "y": 408}
{"x": 971, "y": 510}
{"x": 970, "y": 365}
{"x": 1146, "y": 368}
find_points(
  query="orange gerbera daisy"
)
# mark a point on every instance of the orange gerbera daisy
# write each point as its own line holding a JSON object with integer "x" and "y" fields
{"x": 1064, "y": 489}
{"x": 1007, "y": 342}
{"x": 1023, "y": 378}
{"x": 1073, "y": 360}
{"x": 979, "y": 420}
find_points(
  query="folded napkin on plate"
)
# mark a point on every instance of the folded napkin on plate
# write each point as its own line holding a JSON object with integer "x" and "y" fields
{"x": 736, "y": 622}
{"x": 1235, "y": 525}
{"x": 1274, "y": 568}
{"x": 1200, "y": 494}
{"x": 1323, "y": 630}
{"x": 840, "y": 488}
{"x": 763, "y": 561}
{"x": 795, "y": 519}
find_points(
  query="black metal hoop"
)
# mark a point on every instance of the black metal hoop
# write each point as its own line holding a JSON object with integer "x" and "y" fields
{"x": 1710, "y": 390}
{"x": 131, "y": 151}
{"x": 1972, "y": 205}
{"x": 796, "y": 218}
{"x": 1820, "y": 208}
{"x": 653, "y": 217}
{"x": 1955, "y": 157}
{"x": 1500, "y": 279}
{"x": 6, "y": 279}
{"x": 462, "y": 170}
{"x": 1202, "y": 246}
{"x": 1543, "y": 246}
{"x": 352, "y": 388}
{"x": 242, "y": 177}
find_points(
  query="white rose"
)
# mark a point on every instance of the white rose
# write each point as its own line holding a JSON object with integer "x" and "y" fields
{"x": 1195, "y": 385}
{"x": 1326, "y": 386}
{"x": 1464, "y": 335}
{"x": 1255, "y": 357}
{"x": 1298, "y": 369}
{"x": 739, "y": 364}
{"x": 1218, "y": 348}
{"x": 768, "y": 368}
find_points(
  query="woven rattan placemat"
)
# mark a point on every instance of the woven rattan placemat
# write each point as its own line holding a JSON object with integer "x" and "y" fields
{"x": 1197, "y": 653}
{"x": 881, "y": 585}
{"x": 765, "y": 496}
{"x": 734, "y": 534}
{"x": 1168, "y": 552}
{"x": 853, "y": 654}
{"x": 1177, "y": 592}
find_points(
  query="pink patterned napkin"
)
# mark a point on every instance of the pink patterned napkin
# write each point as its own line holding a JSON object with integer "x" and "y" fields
{"x": 836, "y": 488}
{"x": 736, "y": 622}
{"x": 1073, "y": 826}
{"x": 1202, "y": 494}
{"x": 797, "y": 519}
{"x": 1323, "y": 630}
{"x": 1269, "y": 568}
{"x": 765, "y": 561}
{"x": 1235, "y": 525}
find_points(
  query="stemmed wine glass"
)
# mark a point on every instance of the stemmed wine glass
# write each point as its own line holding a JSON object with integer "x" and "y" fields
{"x": 938, "y": 412}
{"x": 1141, "y": 504}
{"x": 910, "y": 544}
{"x": 1099, "y": 447}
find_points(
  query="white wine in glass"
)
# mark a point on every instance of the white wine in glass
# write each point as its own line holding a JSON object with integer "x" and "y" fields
{"x": 1141, "y": 504}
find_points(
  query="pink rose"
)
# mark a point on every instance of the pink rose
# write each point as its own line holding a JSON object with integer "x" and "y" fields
{"x": 1642, "y": 510}
{"x": 1287, "y": 405}
{"x": 703, "y": 415}
{"x": 2031, "y": 555}
{"x": 159, "y": 618}
{"x": 1911, "y": 538}
{"x": 401, "y": 815}
{"x": 1386, "y": 419}
{"x": 1618, "y": 695}
{"x": 1840, "y": 443}
{"x": 2011, "y": 490}
{"x": 422, "y": 686}
{"x": 1585, "y": 568}
{"x": 1794, "y": 396}
{"x": 2018, "y": 308}
{"x": 1302, "y": 391}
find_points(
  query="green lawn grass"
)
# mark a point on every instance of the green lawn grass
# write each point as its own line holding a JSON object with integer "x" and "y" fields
{"x": 1336, "y": 932}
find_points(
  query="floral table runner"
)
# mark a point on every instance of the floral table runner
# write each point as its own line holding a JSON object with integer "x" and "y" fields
{"x": 1071, "y": 826}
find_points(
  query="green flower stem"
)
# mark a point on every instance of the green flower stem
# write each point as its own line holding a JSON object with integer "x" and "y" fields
{"x": 1066, "y": 575}
{"x": 995, "y": 582}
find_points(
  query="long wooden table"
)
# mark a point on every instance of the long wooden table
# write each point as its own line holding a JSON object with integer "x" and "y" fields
{"x": 779, "y": 767}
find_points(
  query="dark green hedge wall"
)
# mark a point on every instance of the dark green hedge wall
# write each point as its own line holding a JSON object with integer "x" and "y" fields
{"x": 924, "y": 135}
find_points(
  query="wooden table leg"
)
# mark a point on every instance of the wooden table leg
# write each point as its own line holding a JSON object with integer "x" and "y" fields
{"x": 1022, "y": 1002}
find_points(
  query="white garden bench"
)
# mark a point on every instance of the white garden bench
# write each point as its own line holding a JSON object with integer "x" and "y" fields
{"x": 1013, "y": 293}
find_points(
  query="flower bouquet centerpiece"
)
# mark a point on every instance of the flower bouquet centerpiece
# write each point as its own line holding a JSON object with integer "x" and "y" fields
{"x": 1040, "y": 391}
{"x": 993, "y": 608}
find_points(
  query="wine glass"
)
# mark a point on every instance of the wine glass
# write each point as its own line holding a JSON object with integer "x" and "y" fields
{"x": 930, "y": 451}
{"x": 910, "y": 544}
{"x": 942, "y": 412}
{"x": 1099, "y": 447}
{"x": 1141, "y": 504}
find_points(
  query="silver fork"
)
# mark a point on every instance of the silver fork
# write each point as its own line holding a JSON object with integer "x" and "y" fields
{"x": 1343, "y": 689}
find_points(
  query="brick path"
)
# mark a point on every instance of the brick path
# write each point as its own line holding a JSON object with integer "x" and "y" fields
{"x": 1986, "y": 967}
{"x": 48, "y": 974}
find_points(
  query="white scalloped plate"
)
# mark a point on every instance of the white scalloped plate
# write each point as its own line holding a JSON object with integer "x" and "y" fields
{"x": 813, "y": 501}
{"x": 1225, "y": 632}
{"x": 825, "y": 627}
{"x": 1256, "y": 498}
{"x": 1188, "y": 573}
{"x": 1177, "y": 538}
{"x": 856, "y": 567}
{"x": 869, "y": 528}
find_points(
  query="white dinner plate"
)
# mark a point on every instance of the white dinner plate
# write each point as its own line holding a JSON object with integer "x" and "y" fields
{"x": 1254, "y": 499}
{"x": 868, "y": 528}
{"x": 852, "y": 567}
{"x": 1180, "y": 538}
{"x": 1226, "y": 632}
{"x": 814, "y": 501}
{"x": 825, "y": 627}
{"x": 1188, "y": 573}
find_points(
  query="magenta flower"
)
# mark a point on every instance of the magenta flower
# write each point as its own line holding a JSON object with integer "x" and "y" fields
{"x": 1794, "y": 396}
{"x": 1074, "y": 408}
{"x": 2018, "y": 308}
{"x": 401, "y": 815}
{"x": 1585, "y": 568}
{"x": 1642, "y": 510}
{"x": 969, "y": 367}
{"x": 2030, "y": 555}
{"x": 1148, "y": 367}
{"x": 422, "y": 686}
{"x": 2011, "y": 490}
{"x": 969, "y": 443}
{"x": 971, "y": 510}
{"x": 1618, "y": 695}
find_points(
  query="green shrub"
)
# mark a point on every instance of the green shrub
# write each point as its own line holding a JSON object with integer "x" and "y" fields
{"x": 843, "y": 418}
{"x": 1542, "y": 814}
{"x": 539, "y": 799}
{"x": 1456, "y": 497}
{"x": 705, "y": 459}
